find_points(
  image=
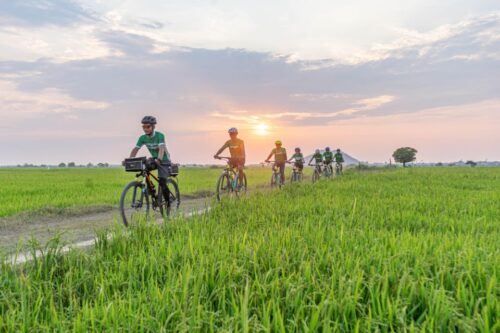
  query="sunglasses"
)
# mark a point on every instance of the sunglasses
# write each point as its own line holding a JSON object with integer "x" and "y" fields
{"x": 146, "y": 126}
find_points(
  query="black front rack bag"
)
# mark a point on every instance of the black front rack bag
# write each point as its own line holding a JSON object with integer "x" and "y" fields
{"x": 135, "y": 164}
{"x": 174, "y": 170}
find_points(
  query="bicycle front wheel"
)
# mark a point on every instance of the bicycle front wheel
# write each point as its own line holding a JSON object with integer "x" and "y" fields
{"x": 316, "y": 176}
{"x": 134, "y": 203}
{"x": 224, "y": 186}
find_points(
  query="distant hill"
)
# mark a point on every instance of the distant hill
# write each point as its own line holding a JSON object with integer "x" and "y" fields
{"x": 347, "y": 158}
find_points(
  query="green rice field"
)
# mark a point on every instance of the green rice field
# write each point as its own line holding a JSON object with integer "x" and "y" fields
{"x": 401, "y": 250}
{"x": 38, "y": 190}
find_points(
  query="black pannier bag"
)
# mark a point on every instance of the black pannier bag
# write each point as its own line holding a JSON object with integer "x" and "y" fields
{"x": 174, "y": 170}
{"x": 135, "y": 164}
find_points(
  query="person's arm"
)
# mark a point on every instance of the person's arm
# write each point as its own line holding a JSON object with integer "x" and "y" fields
{"x": 161, "y": 152}
{"x": 270, "y": 155}
{"x": 138, "y": 146}
{"x": 286, "y": 156}
{"x": 312, "y": 158}
{"x": 134, "y": 152}
{"x": 290, "y": 159}
{"x": 162, "y": 149}
{"x": 243, "y": 150}
{"x": 224, "y": 146}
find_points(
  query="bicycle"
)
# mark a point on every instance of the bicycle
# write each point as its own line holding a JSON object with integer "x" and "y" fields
{"x": 229, "y": 182}
{"x": 328, "y": 170}
{"x": 338, "y": 168}
{"x": 140, "y": 195}
{"x": 276, "y": 180}
{"x": 297, "y": 174}
{"x": 317, "y": 172}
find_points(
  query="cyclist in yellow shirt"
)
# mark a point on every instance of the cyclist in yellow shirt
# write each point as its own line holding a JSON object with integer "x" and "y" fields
{"x": 236, "y": 149}
{"x": 280, "y": 159}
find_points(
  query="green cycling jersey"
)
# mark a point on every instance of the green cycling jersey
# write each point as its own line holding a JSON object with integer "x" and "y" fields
{"x": 298, "y": 158}
{"x": 328, "y": 156}
{"x": 153, "y": 142}
{"x": 339, "y": 158}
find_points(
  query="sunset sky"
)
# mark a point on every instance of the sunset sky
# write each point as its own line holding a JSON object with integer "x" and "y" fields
{"x": 76, "y": 77}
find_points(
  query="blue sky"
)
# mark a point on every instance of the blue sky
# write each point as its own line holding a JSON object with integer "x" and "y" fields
{"x": 75, "y": 77}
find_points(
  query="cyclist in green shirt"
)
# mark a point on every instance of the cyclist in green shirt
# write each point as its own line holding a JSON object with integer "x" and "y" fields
{"x": 317, "y": 157}
{"x": 155, "y": 142}
{"x": 327, "y": 156}
{"x": 280, "y": 159}
{"x": 236, "y": 149}
{"x": 298, "y": 159}
{"x": 339, "y": 158}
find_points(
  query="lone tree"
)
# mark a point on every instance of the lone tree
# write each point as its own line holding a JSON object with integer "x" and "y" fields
{"x": 405, "y": 155}
{"x": 471, "y": 163}
{"x": 62, "y": 165}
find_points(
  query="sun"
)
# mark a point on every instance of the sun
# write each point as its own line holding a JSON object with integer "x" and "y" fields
{"x": 261, "y": 129}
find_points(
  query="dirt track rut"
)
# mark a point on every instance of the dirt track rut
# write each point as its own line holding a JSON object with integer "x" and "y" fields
{"x": 16, "y": 232}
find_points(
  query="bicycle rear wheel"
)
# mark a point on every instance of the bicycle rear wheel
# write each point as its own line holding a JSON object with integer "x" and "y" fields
{"x": 224, "y": 187}
{"x": 166, "y": 209}
{"x": 134, "y": 203}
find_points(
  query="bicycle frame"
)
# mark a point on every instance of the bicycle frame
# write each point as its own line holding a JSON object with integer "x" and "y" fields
{"x": 229, "y": 170}
{"x": 146, "y": 180}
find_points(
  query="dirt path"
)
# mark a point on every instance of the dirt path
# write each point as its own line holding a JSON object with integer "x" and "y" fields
{"x": 16, "y": 232}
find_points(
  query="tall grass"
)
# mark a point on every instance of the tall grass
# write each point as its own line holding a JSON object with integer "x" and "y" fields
{"x": 405, "y": 250}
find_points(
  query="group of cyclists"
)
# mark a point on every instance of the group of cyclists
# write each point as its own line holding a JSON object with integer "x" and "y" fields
{"x": 155, "y": 143}
{"x": 237, "y": 151}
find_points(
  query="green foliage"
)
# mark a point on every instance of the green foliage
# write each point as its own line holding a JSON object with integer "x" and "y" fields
{"x": 471, "y": 163}
{"x": 405, "y": 155}
{"x": 400, "y": 250}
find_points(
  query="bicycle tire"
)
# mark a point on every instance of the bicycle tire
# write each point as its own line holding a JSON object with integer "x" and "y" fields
{"x": 175, "y": 198}
{"x": 220, "y": 190}
{"x": 315, "y": 176}
{"x": 144, "y": 196}
{"x": 243, "y": 188}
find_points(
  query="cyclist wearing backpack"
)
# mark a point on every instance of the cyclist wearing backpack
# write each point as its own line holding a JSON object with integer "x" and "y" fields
{"x": 298, "y": 159}
{"x": 155, "y": 142}
{"x": 280, "y": 159}
{"x": 236, "y": 149}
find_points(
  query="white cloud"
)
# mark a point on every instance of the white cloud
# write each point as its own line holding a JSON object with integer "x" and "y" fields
{"x": 358, "y": 106}
{"x": 59, "y": 44}
{"x": 15, "y": 102}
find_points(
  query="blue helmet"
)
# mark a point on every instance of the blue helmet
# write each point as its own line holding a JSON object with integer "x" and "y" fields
{"x": 233, "y": 130}
{"x": 327, "y": 148}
